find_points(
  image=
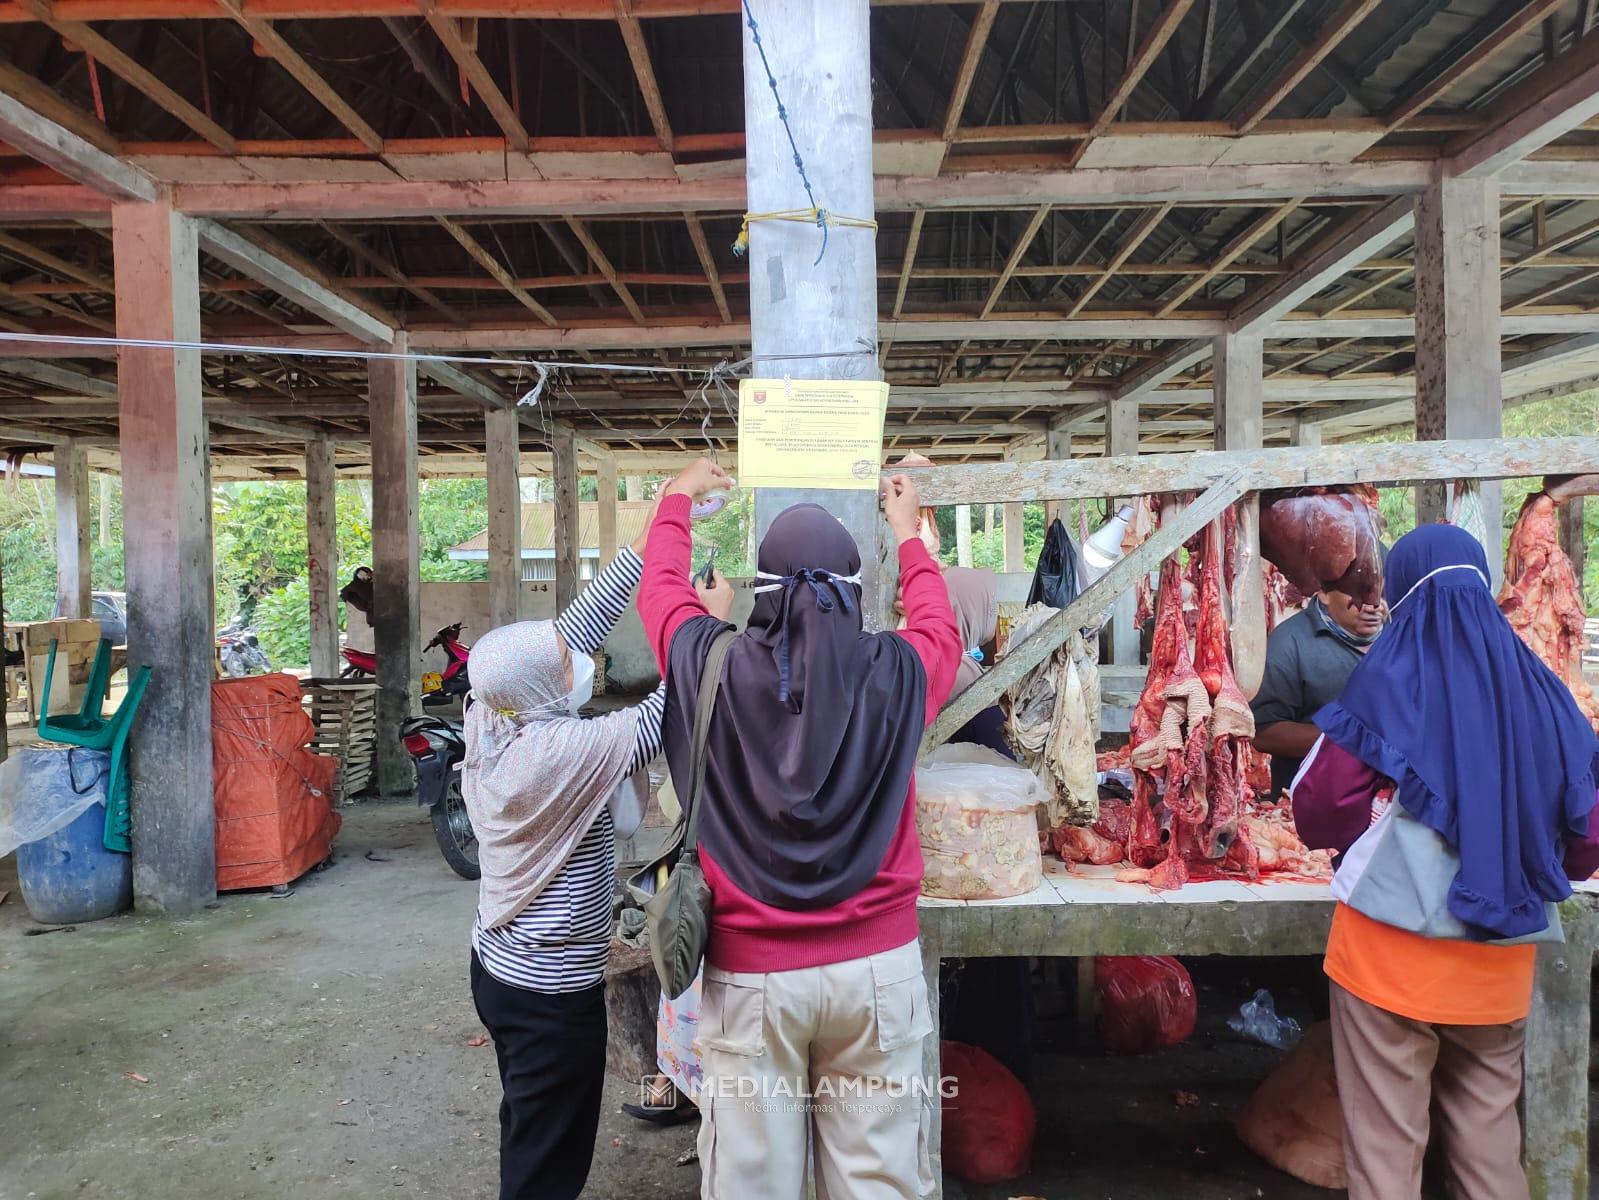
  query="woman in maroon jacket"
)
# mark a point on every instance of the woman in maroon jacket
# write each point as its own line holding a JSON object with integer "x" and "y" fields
{"x": 814, "y": 1002}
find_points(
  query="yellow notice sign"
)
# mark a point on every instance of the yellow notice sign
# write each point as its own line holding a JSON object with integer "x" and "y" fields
{"x": 810, "y": 433}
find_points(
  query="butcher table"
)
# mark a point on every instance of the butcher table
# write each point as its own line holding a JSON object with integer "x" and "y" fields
{"x": 1085, "y": 912}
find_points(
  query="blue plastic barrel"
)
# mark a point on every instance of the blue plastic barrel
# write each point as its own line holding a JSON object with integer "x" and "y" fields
{"x": 69, "y": 876}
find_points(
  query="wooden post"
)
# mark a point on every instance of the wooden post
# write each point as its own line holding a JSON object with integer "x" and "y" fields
{"x": 1057, "y": 445}
{"x": 502, "y": 461}
{"x": 1121, "y": 438}
{"x": 798, "y": 305}
{"x": 1015, "y": 534}
{"x": 105, "y": 508}
{"x": 1572, "y": 540}
{"x": 1305, "y": 433}
{"x": 963, "y": 535}
{"x": 396, "y": 566}
{"x": 322, "y": 556}
{"x": 166, "y": 498}
{"x": 635, "y": 487}
{"x": 605, "y": 481}
{"x": 563, "y": 470}
{"x": 1239, "y": 391}
{"x": 72, "y": 530}
{"x": 1457, "y": 333}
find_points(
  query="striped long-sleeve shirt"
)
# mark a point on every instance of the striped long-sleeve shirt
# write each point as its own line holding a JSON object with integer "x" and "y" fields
{"x": 559, "y": 942}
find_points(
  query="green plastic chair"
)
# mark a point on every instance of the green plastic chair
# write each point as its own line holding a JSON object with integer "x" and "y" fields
{"x": 87, "y": 727}
{"x": 118, "y": 819}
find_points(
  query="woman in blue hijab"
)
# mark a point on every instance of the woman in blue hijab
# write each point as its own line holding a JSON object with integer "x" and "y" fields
{"x": 1456, "y": 777}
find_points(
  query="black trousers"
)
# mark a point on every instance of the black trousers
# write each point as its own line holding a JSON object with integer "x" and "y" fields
{"x": 551, "y": 1048}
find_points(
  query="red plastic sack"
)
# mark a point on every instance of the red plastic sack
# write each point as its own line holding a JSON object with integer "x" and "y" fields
{"x": 988, "y": 1120}
{"x": 1145, "y": 1003}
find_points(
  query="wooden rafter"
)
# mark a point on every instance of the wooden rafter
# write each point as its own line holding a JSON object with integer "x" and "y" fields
{"x": 1142, "y": 228}
{"x": 448, "y": 32}
{"x": 1529, "y": 115}
{"x": 390, "y": 272}
{"x": 1332, "y": 31}
{"x": 59, "y": 310}
{"x": 492, "y": 265}
{"x": 971, "y": 57}
{"x": 1034, "y": 224}
{"x": 33, "y": 94}
{"x": 639, "y": 52}
{"x": 1251, "y": 234}
{"x": 702, "y": 248}
{"x": 1138, "y": 65}
{"x": 911, "y": 243}
{"x": 1508, "y": 30}
{"x": 54, "y": 264}
{"x": 267, "y": 36}
{"x": 605, "y": 268}
{"x": 124, "y": 66}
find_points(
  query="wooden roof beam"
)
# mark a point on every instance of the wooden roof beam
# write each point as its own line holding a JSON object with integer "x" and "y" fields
{"x": 267, "y": 36}
{"x": 606, "y": 269}
{"x": 1149, "y": 50}
{"x": 1531, "y": 114}
{"x": 54, "y": 264}
{"x": 106, "y": 52}
{"x": 103, "y": 324}
{"x": 448, "y": 32}
{"x": 492, "y": 265}
{"x": 1252, "y": 233}
{"x": 47, "y": 129}
{"x": 1333, "y": 30}
{"x": 911, "y": 244}
{"x": 971, "y": 59}
{"x": 1034, "y": 224}
{"x": 391, "y": 272}
{"x": 1142, "y": 228}
{"x": 639, "y": 52}
{"x": 696, "y": 233}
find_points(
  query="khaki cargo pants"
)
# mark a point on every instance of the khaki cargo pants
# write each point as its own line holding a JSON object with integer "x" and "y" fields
{"x": 828, "y": 1058}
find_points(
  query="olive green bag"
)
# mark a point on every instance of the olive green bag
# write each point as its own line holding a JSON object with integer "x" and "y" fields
{"x": 671, "y": 890}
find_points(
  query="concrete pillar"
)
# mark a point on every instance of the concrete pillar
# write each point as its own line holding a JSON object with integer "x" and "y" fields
{"x": 821, "y": 57}
{"x": 72, "y": 530}
{"x": 322, "y": 556}
{"x": 963, "y": 535}
{"x": 1305, "y": 433}
{"x": 1457, "y": 333}
{"x": 1057, "y": 445}
{"x": 502, "y": 461}
{"x": 166, "y": 497}
{"x": 396, "y": 566}
{"x": 563, "y": 470}
{"x": 1121, "y": 441}
{"x": 606, "y": 483}
{"x": 1239, "y": 394}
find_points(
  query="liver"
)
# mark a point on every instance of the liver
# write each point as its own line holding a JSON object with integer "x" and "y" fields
{"x": 1085, "y": 912}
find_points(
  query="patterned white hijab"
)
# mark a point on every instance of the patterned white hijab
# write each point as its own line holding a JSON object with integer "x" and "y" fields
{"x": 534, "y": 779}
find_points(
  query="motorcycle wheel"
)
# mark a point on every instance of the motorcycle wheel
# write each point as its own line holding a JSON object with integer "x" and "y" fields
{"x": 453, "y": 831}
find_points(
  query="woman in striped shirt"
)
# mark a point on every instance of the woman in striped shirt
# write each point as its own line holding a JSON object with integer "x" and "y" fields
{"x": 536, "y": 781}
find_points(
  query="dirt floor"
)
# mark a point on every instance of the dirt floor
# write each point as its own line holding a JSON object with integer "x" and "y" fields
{"x": 318, "y": 1046}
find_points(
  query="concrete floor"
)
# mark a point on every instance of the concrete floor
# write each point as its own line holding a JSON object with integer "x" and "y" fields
{"x": 316, "y": 1046}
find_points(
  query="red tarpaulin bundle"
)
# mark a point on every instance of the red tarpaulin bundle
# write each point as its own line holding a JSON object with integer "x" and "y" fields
{"x": 1145, "y": 1003}
{"x": 274, "y": 798}
{"x": 988, "y": 1121}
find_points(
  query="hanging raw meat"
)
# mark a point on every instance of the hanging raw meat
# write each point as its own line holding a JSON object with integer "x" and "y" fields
{"x": 1283, "y": 599}
{"x": 1246, "y": 583}
{"x": 1324, "y": 540}
{"x": 1232, "y": 723}
{"x": 1542, "y": 601}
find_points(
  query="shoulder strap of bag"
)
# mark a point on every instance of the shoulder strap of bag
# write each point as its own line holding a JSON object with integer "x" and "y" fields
{"x": 710, "y": 684}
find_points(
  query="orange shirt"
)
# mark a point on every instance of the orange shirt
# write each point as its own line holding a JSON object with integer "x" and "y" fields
{"x": 1434, "y": 980}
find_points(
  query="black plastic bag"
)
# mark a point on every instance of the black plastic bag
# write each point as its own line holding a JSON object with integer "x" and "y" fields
{"x": 1055, "y": 580}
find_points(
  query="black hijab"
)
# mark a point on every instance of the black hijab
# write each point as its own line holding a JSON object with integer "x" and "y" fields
{"x": 816, "y": 727}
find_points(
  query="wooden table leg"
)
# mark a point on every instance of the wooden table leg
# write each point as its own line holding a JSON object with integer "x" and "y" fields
{"x": 1555, "y": 1087}
{"x": 932, "y": 1070}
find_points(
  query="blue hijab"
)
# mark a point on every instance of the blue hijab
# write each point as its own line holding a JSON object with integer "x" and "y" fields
{"x": 1485, "y": 743}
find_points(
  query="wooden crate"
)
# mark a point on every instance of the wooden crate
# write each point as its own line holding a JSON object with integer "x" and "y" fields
{"x": 77, "y": 640}
{"x": 345, "y": 716}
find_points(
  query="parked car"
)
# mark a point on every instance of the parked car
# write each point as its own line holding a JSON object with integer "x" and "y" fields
{"x": 111, "y": 610}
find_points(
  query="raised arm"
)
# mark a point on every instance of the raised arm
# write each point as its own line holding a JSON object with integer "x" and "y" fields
{"x": 589, "y": 619}
{"x": 668, "y": 597}
{"x": 929, "y": 621}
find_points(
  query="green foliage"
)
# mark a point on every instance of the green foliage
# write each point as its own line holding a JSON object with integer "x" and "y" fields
{"x": 283, "y": 624}
{"x": 729, "y": 531}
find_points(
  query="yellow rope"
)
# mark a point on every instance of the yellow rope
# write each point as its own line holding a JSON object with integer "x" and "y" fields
{"x": 820, "y": 217}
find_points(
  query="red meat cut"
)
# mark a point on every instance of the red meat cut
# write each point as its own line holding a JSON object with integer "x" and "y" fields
{"x": 1323, "y": 540}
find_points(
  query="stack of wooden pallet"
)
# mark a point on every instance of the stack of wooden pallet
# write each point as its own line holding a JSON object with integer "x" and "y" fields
{"x": 345, "y": 716}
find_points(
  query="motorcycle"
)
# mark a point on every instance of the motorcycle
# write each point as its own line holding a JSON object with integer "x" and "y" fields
{"x": 437, "y": 747}
{"x": 239, "y": 651}
{"x": 438, "y": 687}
